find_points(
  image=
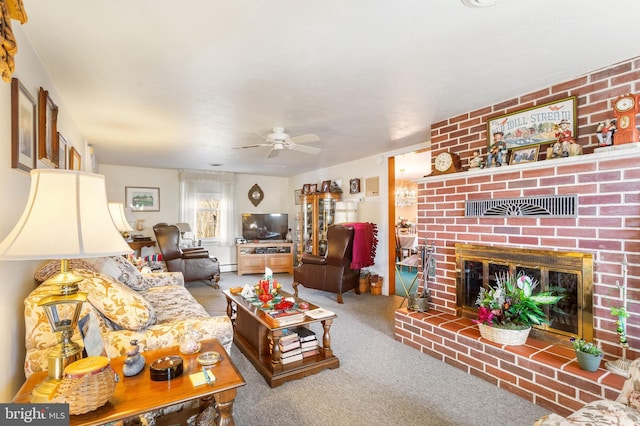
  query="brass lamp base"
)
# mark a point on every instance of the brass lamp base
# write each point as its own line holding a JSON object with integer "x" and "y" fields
{"x": 57, "y": 359}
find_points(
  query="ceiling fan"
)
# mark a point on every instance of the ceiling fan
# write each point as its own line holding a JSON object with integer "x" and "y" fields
{"x": 279, "y": 140}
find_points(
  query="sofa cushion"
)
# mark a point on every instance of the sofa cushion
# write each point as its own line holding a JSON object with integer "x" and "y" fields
{"x": 121, "y": 305}
{"x": 173, "y": 303}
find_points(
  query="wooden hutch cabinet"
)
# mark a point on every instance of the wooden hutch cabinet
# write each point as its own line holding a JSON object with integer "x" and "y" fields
{"x": 317, "y": 214}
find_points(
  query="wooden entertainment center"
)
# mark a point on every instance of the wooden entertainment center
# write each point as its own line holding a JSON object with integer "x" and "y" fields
{"x": 254, "y": 257}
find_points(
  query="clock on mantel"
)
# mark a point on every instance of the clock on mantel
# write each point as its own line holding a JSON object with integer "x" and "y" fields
{"x": 626, "y": 109}
{"x": 445, "y": 163}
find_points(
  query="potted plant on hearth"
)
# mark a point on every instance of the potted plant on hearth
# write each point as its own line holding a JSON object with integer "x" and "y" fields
{"x": 587, "y": 353}
{"x": 507, "y": 311}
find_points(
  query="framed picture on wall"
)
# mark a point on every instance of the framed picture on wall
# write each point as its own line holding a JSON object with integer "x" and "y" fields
{"x": 47, "y": 129}
{"x": 62, "y": 152}
{"x": 524, "y": 155}
{"x": 297, "y": 194}
{"x": 74, "y": 159}
{"x": 142, "y": 198}
{"x": 23, "y": 128}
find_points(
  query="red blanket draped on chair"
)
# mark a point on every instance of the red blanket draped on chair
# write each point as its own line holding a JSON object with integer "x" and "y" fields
{"x": 365, "y": 242}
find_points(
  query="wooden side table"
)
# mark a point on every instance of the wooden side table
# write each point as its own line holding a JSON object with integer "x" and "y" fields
{"x": 137, "y": 246}
{"x": 139, "y": 394}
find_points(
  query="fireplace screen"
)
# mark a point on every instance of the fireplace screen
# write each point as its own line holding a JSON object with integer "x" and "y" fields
{"x": 569, "y": 274}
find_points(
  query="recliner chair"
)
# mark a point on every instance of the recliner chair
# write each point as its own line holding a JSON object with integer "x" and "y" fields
{"x": 331, "y": 272}
{"x": 194, "y": 262}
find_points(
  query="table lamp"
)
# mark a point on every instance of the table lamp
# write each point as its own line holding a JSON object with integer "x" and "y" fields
{"x": 66, "y": 217}
{"x": 183, "y": 227}
{"x": 120, "y": 219}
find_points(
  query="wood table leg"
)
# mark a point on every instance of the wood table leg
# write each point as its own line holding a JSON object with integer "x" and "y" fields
{"x": 224, "y": 406}
{"x": 326, "y": 338}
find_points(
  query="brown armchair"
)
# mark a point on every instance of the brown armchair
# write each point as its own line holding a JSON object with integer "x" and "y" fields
{"x": 194, "y": 262}
{"x": 331, "y": 272}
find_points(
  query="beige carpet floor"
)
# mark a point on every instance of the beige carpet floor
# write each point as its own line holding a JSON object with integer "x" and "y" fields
{"x": 379, "y": 382}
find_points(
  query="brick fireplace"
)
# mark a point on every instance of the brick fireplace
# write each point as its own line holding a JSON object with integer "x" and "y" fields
{"x": 606, "y": 186}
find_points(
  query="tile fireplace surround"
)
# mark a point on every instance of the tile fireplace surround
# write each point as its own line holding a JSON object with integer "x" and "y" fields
{"x": 607, "y": 225}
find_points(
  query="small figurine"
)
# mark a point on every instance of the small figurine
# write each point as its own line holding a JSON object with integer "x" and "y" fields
{"x": 476, "y": 162}
{"x": 497, "y": 150}
{"x": 605, "y": 132}
{"x": 134, "y": 362}
{"x": 564, "y": 137}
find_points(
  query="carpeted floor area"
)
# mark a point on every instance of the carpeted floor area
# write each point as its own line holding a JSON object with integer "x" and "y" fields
{"x": 379, "y": 382}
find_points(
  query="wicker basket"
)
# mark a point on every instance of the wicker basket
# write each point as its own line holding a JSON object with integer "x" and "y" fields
{"x": 504, "y": 336}
{"x": 87, "y": 385}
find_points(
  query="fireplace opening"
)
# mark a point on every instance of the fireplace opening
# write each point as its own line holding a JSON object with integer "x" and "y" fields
{"x": 569, "y": 274}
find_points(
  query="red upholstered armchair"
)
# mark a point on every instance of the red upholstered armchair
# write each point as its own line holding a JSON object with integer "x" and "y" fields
{"x": 194, "y": 263}
{"x": 331, "y": 272}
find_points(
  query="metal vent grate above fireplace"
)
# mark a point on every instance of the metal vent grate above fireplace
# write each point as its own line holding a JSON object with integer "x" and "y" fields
{"x": 548, "y": 206}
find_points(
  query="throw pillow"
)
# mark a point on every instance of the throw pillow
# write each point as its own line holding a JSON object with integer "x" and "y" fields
{"x": 117, "y": 302}
{"x": 52, "y": 268}
{"x": 119, "y": 268}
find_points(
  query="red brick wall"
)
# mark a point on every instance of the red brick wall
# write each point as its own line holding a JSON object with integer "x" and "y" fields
{"x": 607, "y": 184}
{"x": 607, "y": 225}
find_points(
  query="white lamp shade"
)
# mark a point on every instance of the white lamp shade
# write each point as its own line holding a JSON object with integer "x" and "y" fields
{"x": 66, "y": 217}
{"x": 119, "y": 219}
{"x": 184, "y": 227}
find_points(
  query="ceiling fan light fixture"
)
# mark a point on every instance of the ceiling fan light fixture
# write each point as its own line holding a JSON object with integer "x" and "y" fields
{"x": 278, "y": 145}
{"x": 478, "y": 3}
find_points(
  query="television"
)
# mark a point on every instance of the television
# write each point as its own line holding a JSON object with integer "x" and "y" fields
{"x": 265, "y": 226}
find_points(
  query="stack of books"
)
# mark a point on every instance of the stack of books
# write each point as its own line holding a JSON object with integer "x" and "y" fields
{"x": 280, "y": 318}
{"x": 290, "y": 350}
{"x": 308, "y": 342}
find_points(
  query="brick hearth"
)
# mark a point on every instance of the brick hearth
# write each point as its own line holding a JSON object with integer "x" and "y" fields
{"x": 545, "y": 374}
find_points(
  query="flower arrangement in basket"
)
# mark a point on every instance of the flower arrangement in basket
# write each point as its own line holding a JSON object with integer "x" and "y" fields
{"x": 511, "y": 305}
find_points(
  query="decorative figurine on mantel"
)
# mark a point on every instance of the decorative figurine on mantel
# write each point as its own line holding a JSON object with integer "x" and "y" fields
{"x": 497, "y": 150}
{"x": 565, "y": 145}
{"x": 134, "y": 362}
{"x": 476, "y": 162}
{"x": 605, "y": 132}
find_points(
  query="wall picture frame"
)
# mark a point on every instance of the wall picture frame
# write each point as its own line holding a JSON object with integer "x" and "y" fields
{"x": 62, "y": 152}
{"x": 297, "y": 196}
{"x": 141, "y": 198}
{"x": 75, "y": 159}
{"x": 47, "y": 129}
{"x": 527, "y": 154}
{"x": 326, "y": 186}
{"x": 354, "y": 186}
{"x": 535, "y": 125}
{"x": 23, "y": 127}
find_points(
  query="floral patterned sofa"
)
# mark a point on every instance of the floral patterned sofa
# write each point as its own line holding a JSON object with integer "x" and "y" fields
{"x": 155, "y": 309}
{"x": 625, "y": 410}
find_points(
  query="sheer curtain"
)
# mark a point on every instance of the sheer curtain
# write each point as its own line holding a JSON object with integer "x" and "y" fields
{"x": 194, "y": 182}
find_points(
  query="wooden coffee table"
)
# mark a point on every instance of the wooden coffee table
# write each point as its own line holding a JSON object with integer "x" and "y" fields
{"x": 252, "y": 333}
{"x": 139, "y": 394}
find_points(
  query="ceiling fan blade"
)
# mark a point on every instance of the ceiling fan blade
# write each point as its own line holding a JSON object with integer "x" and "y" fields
{"x": 305, "y": 138}
{"x": 251, "y": 146}
{"x": 305, "y": 149}
{"x": 273, "y": 153}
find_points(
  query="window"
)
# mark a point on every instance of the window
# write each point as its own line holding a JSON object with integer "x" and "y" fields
{"x": 206, "y": 203}
{"x": 208, "y": 215}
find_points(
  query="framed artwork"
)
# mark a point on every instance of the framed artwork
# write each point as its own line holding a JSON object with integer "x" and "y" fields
{"x": 47, "y": 129}
{"x": 326, "y": 186}
{"x": 74, "y": 159}
{"x": 23, "y": 128}
{"x": 533, "y": 126}
{"x": 313, "y": 188}
{"x": 306, "y": 188}
{"x": 527, "y": 154}
{"x": 62, "y": 152}
{"x": 297, "y": 194}
{"x": 354, "y": 186}
{"x": 142, "y": 198}
{"x": 372, "y": 186}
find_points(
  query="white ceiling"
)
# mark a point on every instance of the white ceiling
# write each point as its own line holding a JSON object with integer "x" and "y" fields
{"x": 159, "y": 83}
